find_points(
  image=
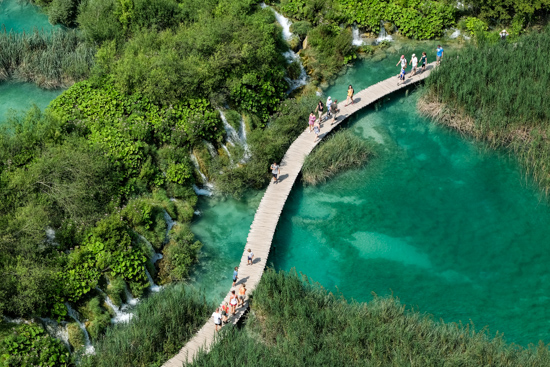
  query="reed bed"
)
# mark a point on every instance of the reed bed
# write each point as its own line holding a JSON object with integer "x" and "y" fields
{"x": 341, "y": 151}
{"x": 50, "y": 59}
{"x": 161, "y": 325}
{"x": 296, "y": 323}
{"x": 498, "y": 93}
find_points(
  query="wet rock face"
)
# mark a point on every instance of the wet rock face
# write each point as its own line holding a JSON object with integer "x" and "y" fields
{"x": 389, "y": 27}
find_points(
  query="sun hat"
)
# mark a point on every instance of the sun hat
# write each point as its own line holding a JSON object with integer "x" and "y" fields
{"x": 413, "y": 55}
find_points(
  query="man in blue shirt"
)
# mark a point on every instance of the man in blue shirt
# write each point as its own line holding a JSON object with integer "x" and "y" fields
{"x": 439, "y": 54}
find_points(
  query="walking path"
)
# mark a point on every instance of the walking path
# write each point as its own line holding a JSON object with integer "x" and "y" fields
{"x": 270, "y": 208}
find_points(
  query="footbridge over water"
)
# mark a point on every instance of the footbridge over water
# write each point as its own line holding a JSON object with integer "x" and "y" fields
{"x": 270, "y": 208}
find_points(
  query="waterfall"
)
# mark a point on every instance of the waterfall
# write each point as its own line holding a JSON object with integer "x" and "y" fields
{"x": 169, "y": 224}
{"x": 455, "y": 34}
{"x": 88, "y": 347}
{"x": 284, "y": 22}
{"x": 357, "y": 40}
{"x": 155, "y": 256}
{"x": 153, "y": 286}
{"x": 50, "y": 236}
{"x": 232, "y": 136}
{"x": 290, "y": 55}
{"x": 120, "y": 316}
{"x": 129, "y": 298}
{"x": 56, "y": 330}
{"x": 382, "y": 36}
{"x": 206, "y": 191}
{"x": 210, "y": 148}
{"x": 242, "y": 135}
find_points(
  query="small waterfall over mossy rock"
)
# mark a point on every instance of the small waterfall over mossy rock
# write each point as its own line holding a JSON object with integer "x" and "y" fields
{"x": 88, "y": 347}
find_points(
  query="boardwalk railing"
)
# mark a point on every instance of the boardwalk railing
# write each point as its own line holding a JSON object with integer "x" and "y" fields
{"x": 270, "y": 208}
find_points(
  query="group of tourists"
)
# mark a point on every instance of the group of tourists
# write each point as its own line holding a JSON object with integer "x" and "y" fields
{"x": 222, "y": 313}
{"x": 331, "y": 109}
{"x": 414, "y": 63}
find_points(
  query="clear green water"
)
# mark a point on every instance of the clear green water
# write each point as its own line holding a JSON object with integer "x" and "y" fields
{"x": 21, "y": 96}
{"x": 448, "y": 226}
{"x": 21, "y": 16}
{"x": 18, "y": 16}
{"x": 223, "y": 228}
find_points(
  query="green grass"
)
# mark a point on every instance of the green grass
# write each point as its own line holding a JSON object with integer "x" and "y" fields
{"x": 497, "y": 92}
{"x": 341, "y": 151}
{"x": 295, "y": 323}
{"x": 49, "y": 59}
{"x": 161, "y": 325}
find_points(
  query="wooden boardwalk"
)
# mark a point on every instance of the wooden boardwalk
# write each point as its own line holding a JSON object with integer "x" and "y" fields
{"x": 270, "y": 208}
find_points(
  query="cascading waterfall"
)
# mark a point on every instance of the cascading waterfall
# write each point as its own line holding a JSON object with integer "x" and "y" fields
{"x": 56, "y": 330}
{"x": 290, "y": 55}
{"x": 153, "y": 287}
{"x": 169, "y": 225}
{"x": 129, "y": 298}
{"x": 210, "y": 148}
{"x": 209, "y": 187}
{"x": 242, "y": 135}
{"x": 383, "y": 36}
{"x": 357, "y": 40}
{"x": 120, "y": 315}
{"x": 155, "y": 256}
{"x": 88, "y": 347}
{"x": 232, "y": 136}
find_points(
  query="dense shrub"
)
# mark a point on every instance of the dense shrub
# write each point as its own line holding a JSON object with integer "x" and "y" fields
{"x": 161, "y": 325}
{"x": 63, "y": 12}
{"x": 29, "y": 345}
{"x": 178, "y": 254}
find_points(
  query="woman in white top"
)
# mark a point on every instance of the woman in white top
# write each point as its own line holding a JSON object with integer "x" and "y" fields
{"x": 414, "y": 62}
{"x": 217, "y": 316}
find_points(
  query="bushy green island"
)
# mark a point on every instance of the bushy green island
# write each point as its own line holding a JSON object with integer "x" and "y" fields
{"x": 89, "y": 188}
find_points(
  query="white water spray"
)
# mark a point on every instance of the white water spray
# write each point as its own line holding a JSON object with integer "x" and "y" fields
{"x": 210, "y": 148}
{"x": 56, "y": 330}
{"x": 289, "y": 55}
{"x": 357, "y": 40}
{"x": 88, "y": 347}
{"x": 383, "y": 36}
{"x": 242, "y": 135}
{"x": 209, "y": 187}
{"x": 152, "y": 285}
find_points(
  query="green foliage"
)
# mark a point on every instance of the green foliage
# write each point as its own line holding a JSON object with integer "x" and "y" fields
{"x": 162, "y": 323}
{"x": 293, "y": 323}
{"x": 266, "y": 145}
{"x": 414, "y": 18}
{"x": 341, "y": 151}
{"x": 63, "y": 12}
{"x": 179, "y": 254}
{"x": 116, "y": 290}
{"x": 49, "y": 59}
{"x": 97, "y": 318}
{"x": 29, "y": 345}
{"x": 502, "y": 95}
{"x": 77, "y": 339}
{"x": 504, "y": 10}
{"x": 476, "y": 27}
{"x": 300, "y": 28}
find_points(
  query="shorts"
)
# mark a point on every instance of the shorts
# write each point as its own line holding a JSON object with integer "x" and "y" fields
{"x": 241, "y": 297}
{"x": 234, "y": 304}
{"x": 250, "y": 259}
{"x": 274, "y": 175}
{"x": 423, "y": 64}
{"x": 438, "y": 58}
{"x": 234, "y": 279}
{"x": 218, "y": 323}
{"x": 224, "y": 313}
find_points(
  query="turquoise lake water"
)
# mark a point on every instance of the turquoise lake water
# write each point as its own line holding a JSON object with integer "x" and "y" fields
{"x": 18, "y": 16}
{"x": 448, "y": 226}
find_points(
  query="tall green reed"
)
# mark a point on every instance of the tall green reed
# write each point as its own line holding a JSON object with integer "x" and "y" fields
{"x": 50, "y": 59}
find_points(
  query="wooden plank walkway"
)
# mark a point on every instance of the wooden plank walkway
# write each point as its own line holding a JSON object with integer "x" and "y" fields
{"x": 270, "y": 208}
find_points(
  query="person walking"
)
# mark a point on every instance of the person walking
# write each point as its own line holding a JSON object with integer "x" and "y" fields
{"x": 250, "y": 257}
{"x": 311, "y": 121}
{"x": 329, "y": 104}
{"x": 217, "y": 319}
{"x": 350, "y": 95}
{"x": 242, "y": 293}
{"x": 225, "y": 312}
{"x": 403, "y": 62}
{"x": 320, "y": 108}
{"x": 317, "y": 129}
{"x": 424, "y": 61}
{"x": 401, "y": 75}
{"x": 503, "y": 34}
{"x": 275, "y": 171}
{"x": 439, "y": 54}
{"x": 414, "y": 62}
{"x": 235, "y": 275}
{"x": 233, "y": 301}
{"x": 334, "y": 110}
